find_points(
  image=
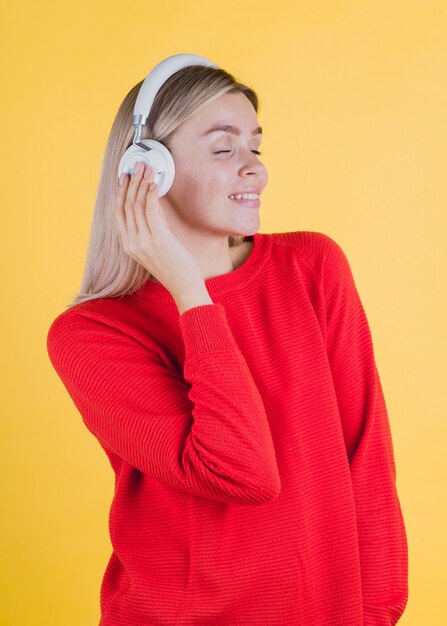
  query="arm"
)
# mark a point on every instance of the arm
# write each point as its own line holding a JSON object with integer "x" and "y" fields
{"x": 190, "y": 298}
{"x": 381, "y": 531}
{"x": 209, "y": 438}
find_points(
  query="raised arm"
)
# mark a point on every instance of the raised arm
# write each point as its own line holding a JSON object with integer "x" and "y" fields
{"x": 204, "y": 432}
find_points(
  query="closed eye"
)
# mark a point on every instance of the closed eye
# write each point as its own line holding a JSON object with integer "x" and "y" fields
{"x": 255, "y": 151}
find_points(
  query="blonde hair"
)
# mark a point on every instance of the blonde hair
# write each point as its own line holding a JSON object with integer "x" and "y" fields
{"x": 109, "y": 271}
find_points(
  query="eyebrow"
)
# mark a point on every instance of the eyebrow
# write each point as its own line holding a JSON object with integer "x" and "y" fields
{"x": 229, "y": 128}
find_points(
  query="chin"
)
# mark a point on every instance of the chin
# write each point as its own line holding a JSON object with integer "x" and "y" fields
{"x": 250, "y": 230}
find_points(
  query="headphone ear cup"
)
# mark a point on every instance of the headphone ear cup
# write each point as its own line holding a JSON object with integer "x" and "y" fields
{"x": 157, "y": 156}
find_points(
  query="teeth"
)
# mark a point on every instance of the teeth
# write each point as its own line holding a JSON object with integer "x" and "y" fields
{"x": 244, "y": 196}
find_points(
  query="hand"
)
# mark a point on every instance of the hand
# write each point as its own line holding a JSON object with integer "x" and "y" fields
{"x": 146, "y": 237}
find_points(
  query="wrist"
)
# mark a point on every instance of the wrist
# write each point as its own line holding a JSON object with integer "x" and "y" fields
{"x": 196, "y": 295}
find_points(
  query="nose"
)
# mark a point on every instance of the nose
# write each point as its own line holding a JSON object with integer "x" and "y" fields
{"x": 252, "y": 165}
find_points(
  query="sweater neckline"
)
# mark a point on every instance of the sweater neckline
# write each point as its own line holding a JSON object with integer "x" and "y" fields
{"x": 218, "y": 285}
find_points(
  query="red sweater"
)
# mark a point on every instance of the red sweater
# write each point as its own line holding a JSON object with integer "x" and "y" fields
{"x": 255, "y": 480}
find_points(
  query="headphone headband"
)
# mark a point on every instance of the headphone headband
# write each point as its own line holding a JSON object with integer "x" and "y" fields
{"x": 149, "y": 151}
{"x": 156, "y": 78}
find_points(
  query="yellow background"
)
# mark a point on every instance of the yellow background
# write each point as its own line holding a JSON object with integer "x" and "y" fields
{"x": 353, "y": 106}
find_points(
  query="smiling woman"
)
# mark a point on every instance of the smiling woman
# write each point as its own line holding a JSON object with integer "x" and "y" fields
{"x": 207, "y": 119}
{"x": 254, "y": 473}
{"x": 201, "y": 207}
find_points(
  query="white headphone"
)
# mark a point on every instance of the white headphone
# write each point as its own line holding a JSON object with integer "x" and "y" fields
{"x": 149, "y": 151}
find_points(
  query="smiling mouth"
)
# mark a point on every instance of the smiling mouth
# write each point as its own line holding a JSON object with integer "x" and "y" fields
{"x": 255, "y": 204}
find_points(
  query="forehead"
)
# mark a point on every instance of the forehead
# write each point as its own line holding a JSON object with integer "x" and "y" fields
{"x": 231, "y": 113}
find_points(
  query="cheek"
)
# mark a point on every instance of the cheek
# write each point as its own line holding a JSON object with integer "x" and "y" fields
{"x": 186, "y": 183}
{"x": 219, "y": 182}
{"x": 200, "y": 183}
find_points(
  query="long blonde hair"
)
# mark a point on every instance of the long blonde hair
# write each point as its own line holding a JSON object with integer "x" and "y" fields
{"x": 109, "y": 271}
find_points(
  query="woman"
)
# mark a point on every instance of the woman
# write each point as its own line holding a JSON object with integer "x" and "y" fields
{"x": 230, "y": 378}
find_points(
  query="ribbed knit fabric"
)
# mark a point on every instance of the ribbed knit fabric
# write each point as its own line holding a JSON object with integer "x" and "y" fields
{"x": 255, "y": 480}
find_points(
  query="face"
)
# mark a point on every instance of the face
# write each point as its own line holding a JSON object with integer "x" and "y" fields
{"x": 209, "y": 167}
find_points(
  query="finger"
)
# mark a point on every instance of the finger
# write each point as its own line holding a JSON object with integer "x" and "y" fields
{"x": 129, "y": 203}
{"x": 121, "y": 191}
{"x": 154, "y": 214}
{"x": 119, "y": 213}
{"x": 140, "y": 202}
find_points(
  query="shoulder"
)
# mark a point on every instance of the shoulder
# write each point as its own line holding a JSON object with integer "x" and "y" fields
{"x": 317, "y": 251}
{"x": 73, "y": 328}
{"x": 75, "y": 317}
{"x": 103, "y": 320}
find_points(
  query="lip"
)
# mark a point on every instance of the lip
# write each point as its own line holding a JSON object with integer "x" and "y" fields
{"x": 253, "y": 204}
{"x": 234, "y": 193}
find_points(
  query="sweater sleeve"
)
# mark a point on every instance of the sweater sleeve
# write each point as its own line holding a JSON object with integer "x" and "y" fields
{"x": 381, "y": 532}
{"x": 205, "y": 433}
